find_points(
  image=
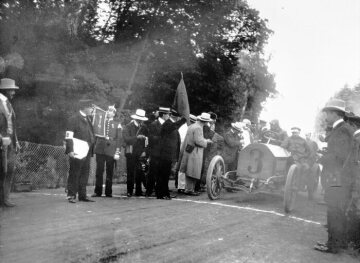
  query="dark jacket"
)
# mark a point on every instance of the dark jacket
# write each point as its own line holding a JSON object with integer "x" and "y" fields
{"x": 82, "y": 129}
{"x": 298, "y": 147}
{"x": 170, "y": 140}
{"x": 338, "y": 150}
{"x": 113, "y": 139}
{"x": 134, "y": 145}
{"x": 231, "y": 146}
{"x": 5, "y": 108}
{"x": 154, "y": 138}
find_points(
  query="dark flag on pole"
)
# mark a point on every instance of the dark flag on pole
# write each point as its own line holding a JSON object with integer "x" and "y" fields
{"x": 181, "y": 102}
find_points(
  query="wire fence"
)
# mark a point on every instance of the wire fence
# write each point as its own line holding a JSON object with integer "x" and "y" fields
{"x": 47, "y": 166}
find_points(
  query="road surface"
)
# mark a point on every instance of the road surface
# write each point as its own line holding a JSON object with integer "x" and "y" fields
{"x": 44, "y": 227}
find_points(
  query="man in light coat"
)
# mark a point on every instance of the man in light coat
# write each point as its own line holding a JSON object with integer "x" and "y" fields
{"x": 195, "y": 143}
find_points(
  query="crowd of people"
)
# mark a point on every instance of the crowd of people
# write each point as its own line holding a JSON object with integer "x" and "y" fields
{"x": 187, "y": 157}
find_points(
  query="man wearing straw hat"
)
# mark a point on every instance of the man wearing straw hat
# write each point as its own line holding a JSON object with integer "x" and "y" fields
{"x": 195, "y": 143}
{"x": 135, "y": 136}
{"x": 338, "y": 186}
{"x": 9, "y": 143}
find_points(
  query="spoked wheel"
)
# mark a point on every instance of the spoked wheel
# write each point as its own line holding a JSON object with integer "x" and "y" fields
{"x": 291, "y": 189}
{"x": 213, "y": 177}
{"x": 313, "y": 180}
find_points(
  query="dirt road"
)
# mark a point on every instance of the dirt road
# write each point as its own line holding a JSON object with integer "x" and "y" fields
{"x": 44, "y": 227}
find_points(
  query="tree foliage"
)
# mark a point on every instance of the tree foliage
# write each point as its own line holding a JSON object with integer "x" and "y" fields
{"x": 61, "y": 50}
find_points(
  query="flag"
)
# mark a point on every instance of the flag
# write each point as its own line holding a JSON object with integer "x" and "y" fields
{"x": 181, "y": 102}
{"x": 98, "y": 121}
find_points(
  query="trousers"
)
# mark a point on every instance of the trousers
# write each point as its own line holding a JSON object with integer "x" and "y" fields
{"x": 103, "y": 160}
{"x": 134, "y": 174}
{"x": 78, "y": 176}
{"x": 6, "y": 179}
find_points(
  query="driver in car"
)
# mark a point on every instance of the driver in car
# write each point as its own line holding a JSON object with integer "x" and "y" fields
{"x": 275, "y": 135}
{"x": 299, "y": 149}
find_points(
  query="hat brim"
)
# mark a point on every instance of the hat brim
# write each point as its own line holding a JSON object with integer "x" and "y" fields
{"x": 8, "y": 87}
{"x": 136, "y": 117}
{"x": 235, "y": 127}
{"x": 201, "y": 119}
{"x": 334, "y": 108}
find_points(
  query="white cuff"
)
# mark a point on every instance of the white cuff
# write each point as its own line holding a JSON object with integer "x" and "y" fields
{"x": 356, "y": 132}
{"x": 69, "y": 135}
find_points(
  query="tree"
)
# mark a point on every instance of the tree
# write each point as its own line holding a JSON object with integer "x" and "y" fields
{"x": 72, "y": 49}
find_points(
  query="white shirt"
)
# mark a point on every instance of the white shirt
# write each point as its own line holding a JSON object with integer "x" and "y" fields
{"x": 161, "y": 120}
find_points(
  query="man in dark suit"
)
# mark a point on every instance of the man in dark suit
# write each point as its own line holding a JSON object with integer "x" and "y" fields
{"x": 169, "y": 153}
{"x": 338, "y": 188}
{"x": 154, "y": 149}
{"x": 79, "y": 127}
{"x": 8, "y": 139}
{"x": 107, "y": 150}
{"x": 135, "y": 136}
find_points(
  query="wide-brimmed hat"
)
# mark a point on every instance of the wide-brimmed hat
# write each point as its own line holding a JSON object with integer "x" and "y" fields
{"x": 237, "y": 126}
{"x": 204, "y": 117}
{"x": 8, "y": 84}
{"x": 192, "y": 118}
{"x": 139, "y": 115}
{"x": 164, "y": 110}
{"x": 335, "y": 104}
{"x": 295, "y": 129}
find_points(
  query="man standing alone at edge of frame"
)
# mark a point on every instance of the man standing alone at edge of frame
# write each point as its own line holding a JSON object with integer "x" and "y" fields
{"x": 338, "y": 188}
{"x": 79, "y": 127}
{"x": 9, "y": 142}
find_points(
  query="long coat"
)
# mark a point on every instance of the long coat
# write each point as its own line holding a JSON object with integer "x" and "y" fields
{"x": 191, "y": 163}
{"x": 154, "y": 138}
{"x": 170, "y": 140}
{"x": 82, "y": 129}
{"x": 338, "y": 149}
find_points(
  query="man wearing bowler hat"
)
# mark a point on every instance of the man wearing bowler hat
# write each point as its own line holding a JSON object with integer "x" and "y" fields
{"x": 135, "y": 136}
{"x": 8, "y": 139}
{"x": 338, "y": 188}
{"x": 79, "y": 127}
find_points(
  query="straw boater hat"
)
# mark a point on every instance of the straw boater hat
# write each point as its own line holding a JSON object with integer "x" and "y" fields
{"x": 237, "y": 126}
{"x": 164, "y": 110}
{"x": 204, "y": 117}
{"x": 192, "y": 118}
{"x": 336, "y": 104}
{"x": 139, "y": 115}
{"x": 7, "y": 84}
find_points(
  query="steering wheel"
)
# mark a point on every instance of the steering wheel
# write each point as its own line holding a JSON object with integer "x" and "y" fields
{"x": 270, "y": 136}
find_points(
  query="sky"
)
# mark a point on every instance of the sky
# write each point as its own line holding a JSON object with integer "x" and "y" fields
{"x": 314, "y": 50}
